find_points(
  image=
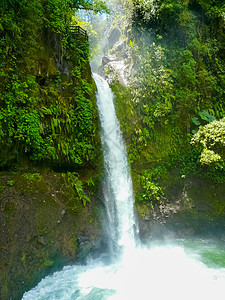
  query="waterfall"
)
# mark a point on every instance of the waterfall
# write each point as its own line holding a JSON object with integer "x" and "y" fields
{"x": 184, "y": 270}
{"x": 118, "y": 192}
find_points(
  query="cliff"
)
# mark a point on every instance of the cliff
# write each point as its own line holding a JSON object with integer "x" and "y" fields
{"x": 50, "y": 155}
{"x": 46, "y": 223}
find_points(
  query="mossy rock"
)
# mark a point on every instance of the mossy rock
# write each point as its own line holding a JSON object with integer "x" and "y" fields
{"x": 41, "y": 219}
{"x": 190, "y": 207}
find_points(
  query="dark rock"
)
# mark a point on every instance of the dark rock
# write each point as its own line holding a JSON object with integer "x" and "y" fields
{"x": 89, "y": 248}
{"x": 105, "y": 60}
{"x": 84, "y": 249}
{"x": 32, "y": 244}
{"x": 191, "y": 208}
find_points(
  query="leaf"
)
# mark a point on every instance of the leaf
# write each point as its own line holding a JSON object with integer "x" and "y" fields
{"x": 211, "y": 118}
{"x": 132, "y": 44}
{"x": 203, "y": 115}
{"x": 194, "y": 131}
{"x": 196, "y": 121}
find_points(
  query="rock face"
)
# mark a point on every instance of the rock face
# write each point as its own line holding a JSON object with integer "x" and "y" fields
{"x": 116, "y": 70}
{"x": 117, "y": 61}
{"x": 114, "y": 37}
{"x": 44, "y": 226}
{"x": 192, "y": 207}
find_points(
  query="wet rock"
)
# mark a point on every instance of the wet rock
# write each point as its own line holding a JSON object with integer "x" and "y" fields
{"x": 84, "y": 249}
{"x": 117, "y": 71}
{"x": 105, "y": 60}
{"x": 117, "y": 63}
{"x": 114, "y": 37}
{"x": 119, "y": 46}
{"x": 191, "y": 208}
{"x": 89, "y": 248}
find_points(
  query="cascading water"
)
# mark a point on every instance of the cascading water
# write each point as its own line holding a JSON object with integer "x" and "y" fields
{"x": 118, "y": 192}
{"x": 187, "y": 270}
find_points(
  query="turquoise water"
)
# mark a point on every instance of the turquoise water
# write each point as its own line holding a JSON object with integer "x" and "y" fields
{"x": 179, "y": 269}
{"x": 209, "y": 252}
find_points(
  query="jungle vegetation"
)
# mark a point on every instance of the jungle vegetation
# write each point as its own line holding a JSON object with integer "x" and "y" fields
{"x": 175, "y": 108}
{"x": 47, "y": 107}
{"x": 174, "y": 105}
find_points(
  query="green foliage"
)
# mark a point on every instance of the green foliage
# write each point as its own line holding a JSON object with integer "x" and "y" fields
{"x": 152, "y": 191}
{"x": 10, "y": 182}
{"x": 31, "y": 177}
{"x": 211, "y": 138}
{"x": 205, "y": 117}
{"x": 46, "y": 90}
{"x": 179, "y": 82}
{"x": 93, "y": 35}
{"x": 158, "y": 13}
{"x": 100, "y": 6}
{"x": 189, "y": 163}
{"x": 78, "y": 186}
{"x": 178, "y": 90}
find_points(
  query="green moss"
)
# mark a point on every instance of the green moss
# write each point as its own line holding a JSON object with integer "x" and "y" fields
{"x": 48, "y": 263}
{"x": 31, "y": 177}
{"x": 40, "y": 226}
{"x": 9, "y": 209}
